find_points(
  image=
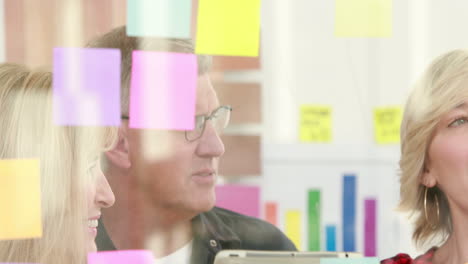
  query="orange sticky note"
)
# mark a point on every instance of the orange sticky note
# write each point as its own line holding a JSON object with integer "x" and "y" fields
{"x": 20, "y": 199}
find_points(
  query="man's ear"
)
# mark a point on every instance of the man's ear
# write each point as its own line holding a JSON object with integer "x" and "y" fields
{"x": 119, "y": 155}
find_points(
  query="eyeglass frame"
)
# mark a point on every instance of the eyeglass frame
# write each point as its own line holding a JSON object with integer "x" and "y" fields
{"x": 209, "y": 117}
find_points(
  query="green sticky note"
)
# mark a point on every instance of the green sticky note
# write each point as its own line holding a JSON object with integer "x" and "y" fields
{"x": 387, "y": 121}
{"x": 349, "y": 261}
{"x": 20, "y": 199}
{"x": 315, "y": 124}
{"x": 229, "y": 28}
{"x": 363, "y": 18}
{"x": 314, "y": 220}
{"x": 159, "y": 18}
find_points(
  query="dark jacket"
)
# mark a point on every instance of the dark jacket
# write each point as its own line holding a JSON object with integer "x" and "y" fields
{"x": 220, "y": 229}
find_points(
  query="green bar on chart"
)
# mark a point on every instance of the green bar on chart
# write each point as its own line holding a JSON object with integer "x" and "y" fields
{"x": 313, "y": 220}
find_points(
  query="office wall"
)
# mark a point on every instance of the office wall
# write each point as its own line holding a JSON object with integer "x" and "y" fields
{"x": 304, "y": 63}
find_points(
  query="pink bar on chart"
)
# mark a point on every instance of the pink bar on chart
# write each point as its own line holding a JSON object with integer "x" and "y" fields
{"x": 271, "y": 213}
{"x": 121, "y": 257}
{"x": 239, "y": 198}
{"x": 370, "y": 220}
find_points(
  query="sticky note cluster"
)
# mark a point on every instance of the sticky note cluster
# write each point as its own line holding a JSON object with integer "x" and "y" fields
{"x": 219, "y": 31}
{"x": 87, "y": 85}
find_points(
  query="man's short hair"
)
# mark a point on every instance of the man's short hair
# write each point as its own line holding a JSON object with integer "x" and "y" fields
{"x": 118, "y": 39}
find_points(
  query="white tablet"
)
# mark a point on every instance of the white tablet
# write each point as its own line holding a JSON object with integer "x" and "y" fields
{"x": 277, "y": 257}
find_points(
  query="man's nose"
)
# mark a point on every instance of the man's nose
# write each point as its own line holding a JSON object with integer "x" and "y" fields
{"x": 210, "y": 144}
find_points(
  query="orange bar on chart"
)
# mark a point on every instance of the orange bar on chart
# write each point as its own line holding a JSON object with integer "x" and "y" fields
{"x": 271, "y": 213}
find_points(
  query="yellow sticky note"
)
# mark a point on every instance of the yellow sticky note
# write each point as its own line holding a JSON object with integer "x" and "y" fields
{"x": 315, "y": 123}
{"x": 363, "y": 18}
{"x": 387, "y": 121}
{"x": 293, "y": 227}
{"x": 20, "y": 199}
{"x": 229, "y": 28}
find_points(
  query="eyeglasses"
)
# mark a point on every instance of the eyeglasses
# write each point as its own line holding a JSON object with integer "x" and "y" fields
{"x": 219, "y": 117}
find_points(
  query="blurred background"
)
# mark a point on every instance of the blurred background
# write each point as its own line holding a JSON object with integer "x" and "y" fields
{"x": 313, "y": 142}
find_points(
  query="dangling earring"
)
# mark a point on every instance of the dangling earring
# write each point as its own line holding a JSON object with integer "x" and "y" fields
{"x": 425, "y": 210}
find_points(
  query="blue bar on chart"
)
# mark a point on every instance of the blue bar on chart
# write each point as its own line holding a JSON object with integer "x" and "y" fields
{"x": 330, "y": 232}
{"x": 370, "y": 223}
{"x": 349, "y": 213}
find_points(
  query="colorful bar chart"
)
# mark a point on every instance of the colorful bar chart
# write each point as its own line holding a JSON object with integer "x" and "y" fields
{"x": 307, "y": 233}
{"x": 314, "y": 220}
{"x": 349, "y": 212}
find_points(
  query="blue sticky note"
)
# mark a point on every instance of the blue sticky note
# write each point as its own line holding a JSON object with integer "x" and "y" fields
{"x": 349, "y": 261}
{"x": 349, "y": 213}
{"x": 159, "y": 18}
{"x": 330, "y": 231}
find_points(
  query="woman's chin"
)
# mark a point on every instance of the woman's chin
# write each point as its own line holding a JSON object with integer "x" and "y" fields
{"x": 92, "y": 246}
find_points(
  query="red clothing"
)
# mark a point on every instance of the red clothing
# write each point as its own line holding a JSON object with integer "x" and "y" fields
{"x": 401, "y": 258}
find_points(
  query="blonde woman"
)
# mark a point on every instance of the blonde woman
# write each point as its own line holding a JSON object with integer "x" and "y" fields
{"x": 434, "y": 162}
{"x": 73, "y": 188}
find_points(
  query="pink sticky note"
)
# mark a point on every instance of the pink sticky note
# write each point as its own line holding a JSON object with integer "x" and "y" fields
{"x": 239, "y": 198}
{"x": 121, "y": 257}
{"x": 163, "y": 90}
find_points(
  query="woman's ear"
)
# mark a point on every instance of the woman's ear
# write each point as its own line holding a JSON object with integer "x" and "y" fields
{"x": 429, "y": 178}
{"x": 119, "y": 155}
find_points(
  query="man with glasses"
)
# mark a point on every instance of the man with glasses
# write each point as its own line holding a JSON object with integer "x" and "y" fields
{"x": 165, "y": 203}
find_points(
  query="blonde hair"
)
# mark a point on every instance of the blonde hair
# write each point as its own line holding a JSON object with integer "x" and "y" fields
{"x": 442, "y": 88}
{"x": 27, "y": 131}
{"x": 118, "y": 39}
